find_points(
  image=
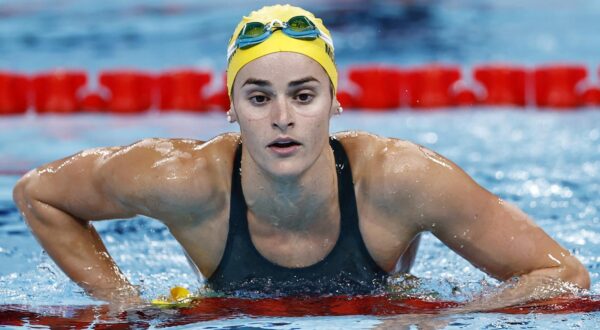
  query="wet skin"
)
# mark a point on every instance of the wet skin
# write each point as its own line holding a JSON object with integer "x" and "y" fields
{"x": 402, "y": 189}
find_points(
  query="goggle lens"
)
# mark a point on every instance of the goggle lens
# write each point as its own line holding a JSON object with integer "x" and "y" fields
{"x": 253, "y": 30}
{"x": 300, "y": 24}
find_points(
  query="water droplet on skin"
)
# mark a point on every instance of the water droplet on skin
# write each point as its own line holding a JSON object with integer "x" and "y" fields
{"x": 554, "y": 259}
{"x": 434, "y": 157}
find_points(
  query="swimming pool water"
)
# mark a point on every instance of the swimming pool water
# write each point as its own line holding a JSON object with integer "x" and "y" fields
{"x": 155, "y": 35}
{"x": 547, "y": 163}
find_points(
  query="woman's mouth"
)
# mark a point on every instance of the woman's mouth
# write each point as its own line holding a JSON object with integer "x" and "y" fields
{"x": 284, "y": 147}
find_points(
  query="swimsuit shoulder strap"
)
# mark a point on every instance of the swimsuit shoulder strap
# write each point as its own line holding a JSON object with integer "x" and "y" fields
{"x": 237, "y": 204}
{"x": 351, "y": 239}
{"x": 237, "y": 213}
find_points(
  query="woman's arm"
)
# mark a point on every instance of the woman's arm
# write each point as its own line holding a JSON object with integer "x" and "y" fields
{"x": 496, "y": 237}
{"x": 490, "y": 233}
{"x": 59, "y": 200}
{"x": 75, "y": 246}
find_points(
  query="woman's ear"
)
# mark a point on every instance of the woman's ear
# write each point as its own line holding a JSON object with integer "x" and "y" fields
{"x": 336, "y": 108}
{"x": 231, "y": 115}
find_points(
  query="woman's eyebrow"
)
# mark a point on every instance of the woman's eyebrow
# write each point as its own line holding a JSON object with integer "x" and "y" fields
{"x": 259, "y": 82}
{"x": 299, "y": 82}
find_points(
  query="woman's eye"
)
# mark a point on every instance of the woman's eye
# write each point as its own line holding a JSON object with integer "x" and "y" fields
{"x": 304, "y": 97}
{"x": 258, "y": 99}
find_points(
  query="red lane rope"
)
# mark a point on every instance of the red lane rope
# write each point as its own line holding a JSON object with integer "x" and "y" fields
{"x": 207, "y": 309}
{"x": 367, "y": 87}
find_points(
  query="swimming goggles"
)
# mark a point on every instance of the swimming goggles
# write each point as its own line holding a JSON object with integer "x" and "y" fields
{"x": 298, "y": 27}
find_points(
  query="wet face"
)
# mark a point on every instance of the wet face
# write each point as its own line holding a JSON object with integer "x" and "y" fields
{"x": 283, "y": 103}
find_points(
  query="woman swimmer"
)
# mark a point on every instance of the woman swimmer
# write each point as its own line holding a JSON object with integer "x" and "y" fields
{"x": 283, "y": 207}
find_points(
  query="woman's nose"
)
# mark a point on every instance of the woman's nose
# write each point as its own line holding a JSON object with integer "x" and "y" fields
{"x": 282, "y": 115}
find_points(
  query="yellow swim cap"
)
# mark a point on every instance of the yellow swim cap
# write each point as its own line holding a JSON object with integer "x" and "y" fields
{"x": 317, "y": 49}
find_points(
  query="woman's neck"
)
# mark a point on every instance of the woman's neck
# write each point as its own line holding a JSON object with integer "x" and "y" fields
{"x": 292, "y": 203}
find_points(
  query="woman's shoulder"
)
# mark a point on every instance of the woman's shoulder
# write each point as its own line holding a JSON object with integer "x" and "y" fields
{"x": 193, "y": 171}
{"x": 377, "y": 160}
{"x": 216, "y": 156}
{"x": 221, "y": 145}
{"x": 367, "y": 148}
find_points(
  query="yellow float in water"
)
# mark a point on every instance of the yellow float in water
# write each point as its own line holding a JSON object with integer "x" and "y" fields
{"x": 179, "y": 296}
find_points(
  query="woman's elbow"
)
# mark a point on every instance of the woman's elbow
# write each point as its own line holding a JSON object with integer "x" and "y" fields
{"x": 19, "y": 190}
{"x": 27, "y": 194}
{"x": 576, "y": 273}
{"x": 25, "y": 187}
{"x": 583, "y": 278}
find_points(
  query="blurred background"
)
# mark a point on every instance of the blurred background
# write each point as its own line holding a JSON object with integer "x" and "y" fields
{"x": 38, "y": 35}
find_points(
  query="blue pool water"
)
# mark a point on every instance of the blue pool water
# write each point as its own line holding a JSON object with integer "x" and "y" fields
{"x": 93, "y": 35}
{"x": 547, "y": 163}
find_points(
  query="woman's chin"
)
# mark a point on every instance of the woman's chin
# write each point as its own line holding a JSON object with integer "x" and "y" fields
{"x": 286, "y": 169}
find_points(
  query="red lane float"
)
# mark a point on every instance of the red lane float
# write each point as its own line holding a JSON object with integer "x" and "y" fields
{"x": 429, "y": 86}
{"x": 380, "y": 86}
{"x": 465, "y": 97}
{"x": 225, "y": 308}
{"x": 131, "y": 91}
{"x": 591, "y": 97}
{"x": 14, "y": 93}
{"x": 346, "y": 100}
{"x": 504, "y": 84}
{"x": 182, "y": 90}
{"x": 220, "y": 99}
{"x": 555, "y": 86}
{"x": 93, "y": 102}
{"x": 56, "y": 91}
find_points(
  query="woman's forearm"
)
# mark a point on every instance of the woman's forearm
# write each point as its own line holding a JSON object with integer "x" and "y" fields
{"x": 76, "y": 248}
{"x": 537, "y": 285}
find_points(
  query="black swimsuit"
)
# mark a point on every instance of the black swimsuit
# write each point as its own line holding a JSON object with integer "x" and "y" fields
{"x": 347, "y": 269}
